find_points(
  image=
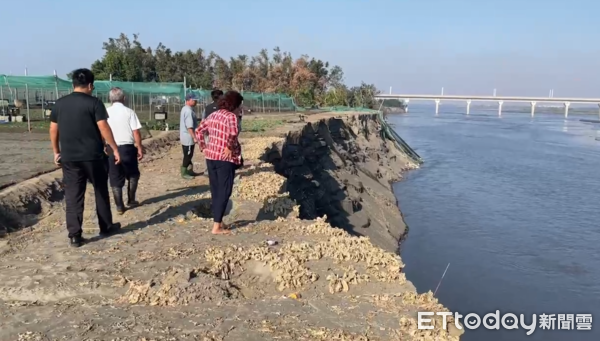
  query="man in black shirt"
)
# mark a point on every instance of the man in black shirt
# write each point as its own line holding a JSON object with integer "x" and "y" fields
{"x": 212, "y": 107}
{"x": 78, "y": 129}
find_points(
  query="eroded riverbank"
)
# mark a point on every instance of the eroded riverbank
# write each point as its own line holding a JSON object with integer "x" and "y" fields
{"x": 165, "y": 277}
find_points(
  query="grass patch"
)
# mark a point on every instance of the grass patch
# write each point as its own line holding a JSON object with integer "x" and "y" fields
{"x": 22, "y": 126}
{"x": 248, "y": 125}
{"x": 260, "y": 125}
{"x": 156, "y": 125}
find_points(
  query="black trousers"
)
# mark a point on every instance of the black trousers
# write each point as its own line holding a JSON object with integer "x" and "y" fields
{"x": 188, "y": 153}
{"x": 127, "y": 169}
{"x": 76, "y": 174}
{"x": 220, "y": 176}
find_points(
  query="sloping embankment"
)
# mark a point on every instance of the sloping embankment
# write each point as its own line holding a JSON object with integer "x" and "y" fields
{"x": 24, "y": 204}
{"x": 165, "y": 277}
{"x": 343, "y": 169}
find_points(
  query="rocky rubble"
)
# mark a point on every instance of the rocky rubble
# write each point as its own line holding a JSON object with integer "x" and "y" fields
{"x": 179, "y": 287}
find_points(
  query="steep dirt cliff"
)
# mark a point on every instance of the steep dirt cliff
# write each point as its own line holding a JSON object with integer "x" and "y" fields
{"x": 343, "y": 169}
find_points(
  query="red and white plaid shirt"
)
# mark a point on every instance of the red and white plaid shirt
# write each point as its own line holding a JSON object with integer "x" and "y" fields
{"x": 222, "y": 129}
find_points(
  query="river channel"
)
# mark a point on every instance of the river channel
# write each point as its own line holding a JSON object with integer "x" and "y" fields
{"x": 512, "y": 203}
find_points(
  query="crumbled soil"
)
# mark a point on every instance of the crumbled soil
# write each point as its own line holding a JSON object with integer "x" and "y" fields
{"x": 166, "y": 277}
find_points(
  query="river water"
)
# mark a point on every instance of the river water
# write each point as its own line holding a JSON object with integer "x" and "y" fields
{"x": 513, "y": 204}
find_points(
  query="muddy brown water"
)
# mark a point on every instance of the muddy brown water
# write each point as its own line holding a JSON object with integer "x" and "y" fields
{"x": 512, "y": 204}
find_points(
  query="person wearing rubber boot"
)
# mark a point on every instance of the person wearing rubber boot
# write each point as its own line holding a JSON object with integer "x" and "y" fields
{"x": 126, "y": 127}
{"x": 187, "y": 125}
{"x": 78, "y": 129}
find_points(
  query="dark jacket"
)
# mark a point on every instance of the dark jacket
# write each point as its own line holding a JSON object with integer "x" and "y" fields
{"x": 210, "y": 108}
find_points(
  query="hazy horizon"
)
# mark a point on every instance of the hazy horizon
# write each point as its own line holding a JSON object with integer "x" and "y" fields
{"x": 465, "y": 46}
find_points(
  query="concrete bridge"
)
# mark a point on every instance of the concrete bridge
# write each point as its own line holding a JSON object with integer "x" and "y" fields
{"x": 499, "y": 99}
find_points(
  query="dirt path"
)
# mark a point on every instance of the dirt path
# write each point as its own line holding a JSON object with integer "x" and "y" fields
{"x": 166, "y": 277}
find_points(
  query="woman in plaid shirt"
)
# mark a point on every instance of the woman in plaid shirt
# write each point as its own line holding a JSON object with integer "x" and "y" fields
{"x": 223, "y": 153}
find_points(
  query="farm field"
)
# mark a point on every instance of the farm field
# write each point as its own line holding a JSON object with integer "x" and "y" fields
{"x": 24, "y": 155}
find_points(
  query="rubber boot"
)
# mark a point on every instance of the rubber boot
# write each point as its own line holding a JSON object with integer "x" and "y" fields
{"x": 131, "y": 190}
{"x": 118, "y": 195}
{"x": 184, "y": 174}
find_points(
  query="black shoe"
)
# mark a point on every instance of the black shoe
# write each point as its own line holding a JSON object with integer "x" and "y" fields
{"x": 77, "y": 241}
{"x": 190, "y": 172}
{"x": 131, "y": 190}
{"x": 118, "y": 196}
{"x": 114, "y": 228}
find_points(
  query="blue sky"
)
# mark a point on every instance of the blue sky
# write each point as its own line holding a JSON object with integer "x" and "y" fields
{"x": 468, "y": 47}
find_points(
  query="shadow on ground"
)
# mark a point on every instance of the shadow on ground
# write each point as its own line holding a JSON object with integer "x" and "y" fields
{"x": 167, "y": 212}
{"x": 177, "y": 192}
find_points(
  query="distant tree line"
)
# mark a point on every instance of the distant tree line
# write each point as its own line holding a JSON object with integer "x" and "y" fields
{"x": 310, "y": 81}
{"x": 393, "y": 103}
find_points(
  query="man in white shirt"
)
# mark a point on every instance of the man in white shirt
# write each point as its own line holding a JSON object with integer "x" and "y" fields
{"x": 125, "y": 127}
